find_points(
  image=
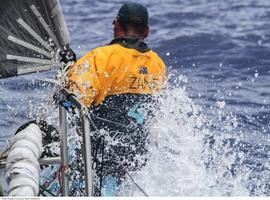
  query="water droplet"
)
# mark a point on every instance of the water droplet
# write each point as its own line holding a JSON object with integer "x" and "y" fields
{"x": 106, "y": 74}
{"x": 87, "y": 84}
{"x": 220, "y": 104}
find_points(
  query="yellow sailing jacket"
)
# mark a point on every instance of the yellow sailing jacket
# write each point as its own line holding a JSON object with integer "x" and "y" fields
{"x": 125, "y": 66}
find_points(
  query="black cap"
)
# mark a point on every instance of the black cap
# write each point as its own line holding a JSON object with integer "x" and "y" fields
{"x": 133, "y": 13}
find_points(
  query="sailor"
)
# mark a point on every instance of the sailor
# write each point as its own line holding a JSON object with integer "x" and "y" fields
{"x": 118, "y": 83}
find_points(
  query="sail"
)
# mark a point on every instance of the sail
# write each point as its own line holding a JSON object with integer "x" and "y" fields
{"x": 32, "y": 32}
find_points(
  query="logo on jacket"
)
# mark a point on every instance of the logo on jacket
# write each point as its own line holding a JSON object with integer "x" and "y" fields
{"x": 143, "y": 70}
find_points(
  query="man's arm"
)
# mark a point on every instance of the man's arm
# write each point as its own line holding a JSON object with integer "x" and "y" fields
{"x": 83, "y": 79}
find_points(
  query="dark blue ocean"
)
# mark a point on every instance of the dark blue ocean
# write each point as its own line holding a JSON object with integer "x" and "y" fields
{"x": 216, "y": 129}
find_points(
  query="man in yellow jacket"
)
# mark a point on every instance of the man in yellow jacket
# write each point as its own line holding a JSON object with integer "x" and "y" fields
{"x": 118, "y": 82}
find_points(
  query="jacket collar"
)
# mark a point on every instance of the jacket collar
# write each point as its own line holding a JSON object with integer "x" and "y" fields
{"x": 132, "y": 43}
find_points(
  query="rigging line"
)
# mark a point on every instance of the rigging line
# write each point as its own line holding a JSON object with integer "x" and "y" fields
{"x": 46, "y": 190}
{"x": 91, "y": 121}
{"x": 133, "y": 181}
{"x": 34, "y": 34}
{"x": 41, "y": 192}
{"x": 116, "y": 123}
{"x": 112, "y": 122}
{"x": 145, "y": 194}
{"x": 29, "y": 46}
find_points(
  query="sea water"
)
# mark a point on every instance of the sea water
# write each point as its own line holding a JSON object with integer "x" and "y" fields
{"x": 213, "y": 136}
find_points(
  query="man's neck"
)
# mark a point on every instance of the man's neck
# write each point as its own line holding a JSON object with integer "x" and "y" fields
{"x": 128, "y": 35}
{"x": 134, "y": 43}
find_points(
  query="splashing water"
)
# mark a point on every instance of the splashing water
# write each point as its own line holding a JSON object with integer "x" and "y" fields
{"x": 191, "y": 153}
{"x": 176, "y": 145}
{"x": 190, "y": 156}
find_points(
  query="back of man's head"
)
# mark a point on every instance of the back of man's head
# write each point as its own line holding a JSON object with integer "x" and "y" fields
{"x": 133, "y": 13}
{"x": 134, "y": 17}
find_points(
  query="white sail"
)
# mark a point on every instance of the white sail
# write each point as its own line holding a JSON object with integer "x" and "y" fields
{"x": 32, "y": 29}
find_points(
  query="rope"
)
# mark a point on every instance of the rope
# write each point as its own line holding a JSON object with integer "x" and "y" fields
{"x": 145, "y": 194}
{"x": 59, "y": 177}
{"x": 46, "y": 190}
{"x": 112, "y": 122}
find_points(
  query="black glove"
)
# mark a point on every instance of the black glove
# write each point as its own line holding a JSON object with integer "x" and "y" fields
{"x": 67, "y": 55}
